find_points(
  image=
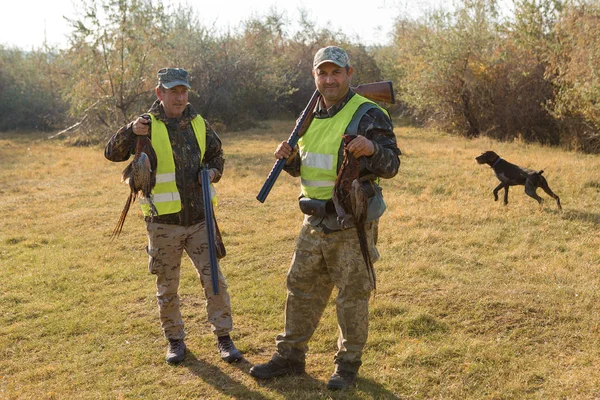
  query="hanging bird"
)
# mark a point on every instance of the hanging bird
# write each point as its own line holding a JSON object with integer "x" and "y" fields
{"x": 140, "y": 174}
{"x": 351, "y": 201}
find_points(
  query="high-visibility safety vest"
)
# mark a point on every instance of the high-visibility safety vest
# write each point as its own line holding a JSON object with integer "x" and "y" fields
{"x": 319, "y": 147}
{"x": 165, "y": 195}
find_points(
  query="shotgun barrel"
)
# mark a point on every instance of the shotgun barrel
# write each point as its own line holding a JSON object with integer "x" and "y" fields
{"x": 301, "y": 126}
{"x": 377, "y": 91}
{"x": 210, "y": 229}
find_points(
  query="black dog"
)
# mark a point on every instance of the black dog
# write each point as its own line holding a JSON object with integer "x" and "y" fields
{"x": 511, "y": 175}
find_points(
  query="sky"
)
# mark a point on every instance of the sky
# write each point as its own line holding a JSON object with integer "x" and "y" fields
{"x": 34, "y": 22}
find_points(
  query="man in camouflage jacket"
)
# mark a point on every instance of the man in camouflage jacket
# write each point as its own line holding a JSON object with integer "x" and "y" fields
{"x": 169, "y": 234}
{"x": 327, "y": 256}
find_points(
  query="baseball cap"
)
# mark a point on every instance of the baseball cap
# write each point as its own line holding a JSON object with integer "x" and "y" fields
{"x": 332, "y": 54}
{"x": 171, "y": 77}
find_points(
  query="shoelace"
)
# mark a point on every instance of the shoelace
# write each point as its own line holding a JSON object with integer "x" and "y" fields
{"x": 226, "y": 346}
{"x": 176, "y": 346}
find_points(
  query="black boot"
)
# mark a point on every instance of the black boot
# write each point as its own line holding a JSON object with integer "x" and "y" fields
{"x": 229, "y": 353}
{"x": 176, "y": 351}
{"x": 342, "y": 378}
{"x": 277, "y": 366}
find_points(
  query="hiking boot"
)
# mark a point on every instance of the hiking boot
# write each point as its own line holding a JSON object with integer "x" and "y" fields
{"x": 229, "y": 353}
{"x": 277, "y": 366}
{"x": 176, "y": 351}
{"x": 341, "y": 380}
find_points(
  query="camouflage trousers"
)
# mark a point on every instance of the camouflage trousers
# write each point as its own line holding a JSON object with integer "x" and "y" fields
{"x": 166, "y": 244}
{"x": 320, "y": 262}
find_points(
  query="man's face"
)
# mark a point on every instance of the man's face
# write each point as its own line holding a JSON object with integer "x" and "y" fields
{"x": 174, "y": 100}
{"x": 332, "y": 81}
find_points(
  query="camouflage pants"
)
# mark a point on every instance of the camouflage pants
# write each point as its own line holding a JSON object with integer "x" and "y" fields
{"x": 322, "y": 261}
{"x": 165, "y": 248}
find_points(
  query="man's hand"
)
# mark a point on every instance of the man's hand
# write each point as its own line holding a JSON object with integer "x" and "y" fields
{"x": 211, "y": 175}
{"x": 141, "y": 126}
{"x": 284, "y": 150}
{"x": 361, "y": 146}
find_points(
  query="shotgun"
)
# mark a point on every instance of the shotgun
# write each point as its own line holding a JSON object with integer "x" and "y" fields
{"x": 210, "y": 229}
{"x": 377, "y": 91}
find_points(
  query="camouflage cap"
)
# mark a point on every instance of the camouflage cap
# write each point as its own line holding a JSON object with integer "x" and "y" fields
{"x": 332, "y": 54}
{"x": 171, "y": 77}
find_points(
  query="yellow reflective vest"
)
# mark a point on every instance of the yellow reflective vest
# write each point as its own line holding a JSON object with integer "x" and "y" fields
{"x": 319, "y": 147}
{"x": 165, "y": 195}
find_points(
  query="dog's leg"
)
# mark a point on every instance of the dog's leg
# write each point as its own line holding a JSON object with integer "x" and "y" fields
{"x": 530, "y": 190}
{"x": 500, "y": 186}
{"x": 546, "y": 188}
{"x": 506, "y": 194}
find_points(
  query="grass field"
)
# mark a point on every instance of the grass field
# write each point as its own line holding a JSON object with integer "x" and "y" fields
{"x": 475, "y": 300}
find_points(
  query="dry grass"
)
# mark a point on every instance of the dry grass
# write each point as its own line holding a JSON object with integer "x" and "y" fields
{"x": 475, "y": 300}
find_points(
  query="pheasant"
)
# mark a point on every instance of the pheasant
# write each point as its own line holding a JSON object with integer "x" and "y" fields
{"x": 140, "y": 174}
{"x": 351, "y": 201}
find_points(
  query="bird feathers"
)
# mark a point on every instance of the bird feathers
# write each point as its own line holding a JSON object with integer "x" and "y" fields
{"x": 140, "y": 175}
{"x": 351, "y": 203}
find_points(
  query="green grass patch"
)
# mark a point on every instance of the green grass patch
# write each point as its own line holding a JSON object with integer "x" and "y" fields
{"x": 475, "y": 300}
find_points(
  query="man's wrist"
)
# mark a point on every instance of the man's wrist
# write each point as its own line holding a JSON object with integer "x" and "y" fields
{"x": 375, "y": 149}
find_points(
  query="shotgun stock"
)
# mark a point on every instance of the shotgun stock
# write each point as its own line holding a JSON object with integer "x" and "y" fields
{"x": 377, "y": 91}
{"x": 210, "y": 229}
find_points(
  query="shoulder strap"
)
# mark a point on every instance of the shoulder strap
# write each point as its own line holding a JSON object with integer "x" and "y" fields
{"x": 352, "y": 128}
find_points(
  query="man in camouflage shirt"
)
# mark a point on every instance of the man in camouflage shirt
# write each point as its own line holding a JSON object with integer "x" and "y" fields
{"x": 327, "y": 256}
{"x": 178, "y": 131}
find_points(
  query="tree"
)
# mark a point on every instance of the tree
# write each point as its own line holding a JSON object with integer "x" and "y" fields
{"x": 116, "y": 47}
{"x": 470, "y": 73}
{"x": 29, "y": 89}
{"x": 441, "y": 64}
{"x": 574, "y": 70}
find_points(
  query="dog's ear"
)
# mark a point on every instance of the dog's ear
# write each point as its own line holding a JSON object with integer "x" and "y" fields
{"x": 491, "y": 155}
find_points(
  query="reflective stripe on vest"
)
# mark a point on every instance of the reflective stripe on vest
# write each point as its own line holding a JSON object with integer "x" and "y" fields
{"x": 162, "y": 198}
{"x": 165, "y": 195}
{"x": 319, "y": 148}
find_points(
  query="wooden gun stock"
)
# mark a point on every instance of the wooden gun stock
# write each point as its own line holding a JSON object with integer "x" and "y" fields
{"x": 377, "y": 91}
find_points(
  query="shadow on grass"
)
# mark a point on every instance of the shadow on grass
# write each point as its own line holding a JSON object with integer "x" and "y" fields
{"x": 292, "y": 387}
{"x": 295, "y": 387}
{"x": 581, "y": 216}
{"x": 374, "y": 389}
{"x": 307, "y": 387}
{"x": 214, "y": 376}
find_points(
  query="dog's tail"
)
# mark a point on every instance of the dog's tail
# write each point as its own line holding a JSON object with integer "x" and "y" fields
{"x": 536, "y": 178}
